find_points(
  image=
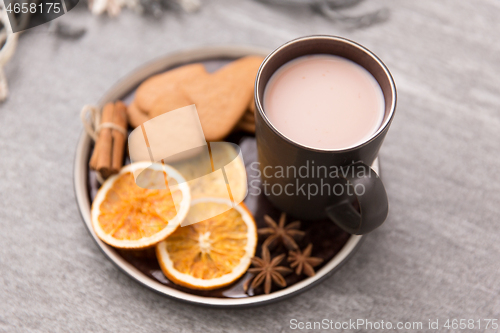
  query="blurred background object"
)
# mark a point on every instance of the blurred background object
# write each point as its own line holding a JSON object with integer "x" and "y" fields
{"x": 8, "y": 42}
{"x": 148, "y": 7}
{"x": 335, "y": 11}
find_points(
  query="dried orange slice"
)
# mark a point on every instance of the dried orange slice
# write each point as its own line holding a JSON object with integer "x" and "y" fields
{"x": 127, "y": 216}
{"x": 212, "y": 253}
{"x": 204, "y": 185}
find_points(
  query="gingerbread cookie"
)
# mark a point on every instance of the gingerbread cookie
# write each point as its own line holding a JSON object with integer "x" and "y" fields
{"x": 166, "y": 84}
{"x": 135, "y": 116}
{"x": 252, "y": 107}
{"x": 248, "y": 116}
{"x": 168, "y": 102}
{"x": 245, "y": 126}
{"x": 223, "y": 97}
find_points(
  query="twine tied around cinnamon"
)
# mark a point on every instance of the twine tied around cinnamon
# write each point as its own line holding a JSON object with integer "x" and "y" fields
{"x": 109, "y": 131}
{"x": 91, "y": 120}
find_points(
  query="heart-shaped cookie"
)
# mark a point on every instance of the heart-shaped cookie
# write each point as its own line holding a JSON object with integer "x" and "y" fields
{"x": 135, "y": 116}
{"x": 166, "y": 84}
{"x": 223, "y": 97}
{"x": 174, "y": 100}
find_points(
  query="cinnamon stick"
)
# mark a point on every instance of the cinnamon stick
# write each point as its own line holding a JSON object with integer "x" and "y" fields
{"x": 101, "y": 157}
{"x": 119, "y": 119}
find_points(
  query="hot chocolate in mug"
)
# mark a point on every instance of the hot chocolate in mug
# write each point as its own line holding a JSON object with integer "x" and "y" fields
{"x": 324, "y": 105}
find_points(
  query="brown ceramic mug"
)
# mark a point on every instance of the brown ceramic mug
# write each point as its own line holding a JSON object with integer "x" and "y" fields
{"x": 354, "y": 210}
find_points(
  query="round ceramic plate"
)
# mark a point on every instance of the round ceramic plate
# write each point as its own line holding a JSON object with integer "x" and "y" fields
{"x": 144, "y": 269}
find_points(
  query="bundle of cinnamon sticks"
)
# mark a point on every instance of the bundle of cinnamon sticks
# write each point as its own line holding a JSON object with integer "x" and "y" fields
{"x": 107, "y": 157}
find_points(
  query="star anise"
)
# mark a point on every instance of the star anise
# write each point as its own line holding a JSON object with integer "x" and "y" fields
{"x": 304, "y": 261}
{"x": 279, "y": 232}
{"x": 267, "y": 271}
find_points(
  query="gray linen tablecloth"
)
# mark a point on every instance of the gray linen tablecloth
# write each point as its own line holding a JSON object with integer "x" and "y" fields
{"x": 436, "y": 257}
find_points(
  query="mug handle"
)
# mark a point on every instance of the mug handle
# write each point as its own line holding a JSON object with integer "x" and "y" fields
{"x": 372, "y": 202}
